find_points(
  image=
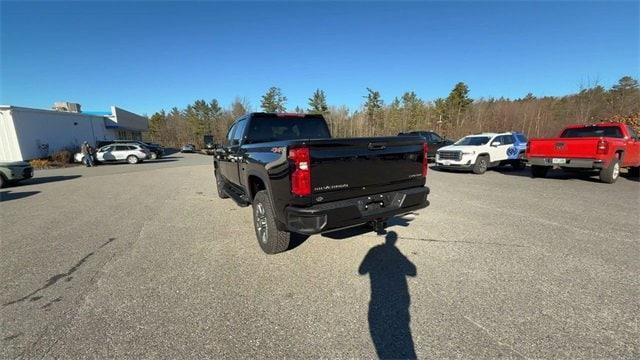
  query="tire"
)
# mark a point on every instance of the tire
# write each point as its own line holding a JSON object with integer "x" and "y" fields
{"x": 132, "y": 159}
{"x": 634, "y": 171}
{"x": 271, "y": 240}
{"x": 153, "y": 156}
{"x": 518, "y": 165}
{"x": 611, "y": 173}
{"x": 481, "y": 165}
{"x": 538, "y": 171}
{"x": 219, "y": 186}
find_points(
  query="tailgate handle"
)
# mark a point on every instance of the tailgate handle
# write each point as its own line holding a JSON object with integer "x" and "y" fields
{"x": 377, "y": 146}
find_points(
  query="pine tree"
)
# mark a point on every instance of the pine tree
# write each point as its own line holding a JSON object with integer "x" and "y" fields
{"x": 157, "y": 122}
{"x": 273, "y": 100}
{"x": 318, "y": 102}
{"x": 373, "y": 108}
{"x": 373, "y": 104}
{"x": 412, "y": 109}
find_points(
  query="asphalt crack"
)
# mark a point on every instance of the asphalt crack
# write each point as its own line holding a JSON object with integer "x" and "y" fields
{"x": 33, "y": 296}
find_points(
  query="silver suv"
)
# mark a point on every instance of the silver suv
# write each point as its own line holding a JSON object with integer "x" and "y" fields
{"x": 131, "y": 153}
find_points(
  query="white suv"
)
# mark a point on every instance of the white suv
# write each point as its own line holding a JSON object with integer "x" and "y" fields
{"x": 479, "y": 152}
{"x": 131, "y": 153}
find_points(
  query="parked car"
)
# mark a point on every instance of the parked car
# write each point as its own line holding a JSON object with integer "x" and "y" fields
{"x": 156, "y": 150}
{"x": 300, "y": 180}
{"x": 131, "y": 153}
{"x": 603, "y": 147}
{"x": 188, "y": 148}
{"x": 482, "y": 151}
{"x": 12, "y": 172}
{"x": 209, "y": 144}
{"x": 434, "y": 141}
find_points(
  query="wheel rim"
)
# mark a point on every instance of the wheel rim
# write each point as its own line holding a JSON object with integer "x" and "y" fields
{"x": 132, "y": 160}
{"x": 261, "y": 223}
{"x": 483, "y": 164}
{"x": 616, "y": 170}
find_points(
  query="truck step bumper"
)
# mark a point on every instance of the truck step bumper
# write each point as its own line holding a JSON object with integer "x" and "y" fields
{"x": 569, "y": 163}
{"x": 340, "y": 214}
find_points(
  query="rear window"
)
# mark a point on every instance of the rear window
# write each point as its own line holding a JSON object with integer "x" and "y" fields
{"x": 521, "y": 138}
{"x": 286, "y": 128}
{"x": 593, "y": 131}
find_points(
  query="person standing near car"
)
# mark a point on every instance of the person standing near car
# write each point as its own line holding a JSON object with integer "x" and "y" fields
{"x": 90, "y": 152}
{"x": 86, "y": 155}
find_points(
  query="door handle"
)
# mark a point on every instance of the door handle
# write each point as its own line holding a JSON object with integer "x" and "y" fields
{"x": 377, "y": 146}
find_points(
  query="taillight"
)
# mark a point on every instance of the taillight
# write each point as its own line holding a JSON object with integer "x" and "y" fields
{"x": 301, "y": 175}
{"x": 603, "y": 147}
{"x": 425, "y": 163}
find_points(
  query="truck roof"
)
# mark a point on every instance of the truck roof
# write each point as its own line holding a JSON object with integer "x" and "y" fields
{"x": 284, "y": 114}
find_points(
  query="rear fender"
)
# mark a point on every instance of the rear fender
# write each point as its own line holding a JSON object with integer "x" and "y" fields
{"x": 267, "y": 185}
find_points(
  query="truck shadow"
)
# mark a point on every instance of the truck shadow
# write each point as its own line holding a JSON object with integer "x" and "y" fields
{"x": 9, "y": 195}
{"x": 559, "y": 174}
{"x": 46, "y": 179}
{"x": 389, "y": 318}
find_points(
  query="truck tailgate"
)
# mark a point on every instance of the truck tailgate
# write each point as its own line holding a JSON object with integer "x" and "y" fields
{"x": 563, "y": 147}
{"x": 342, "y": 168}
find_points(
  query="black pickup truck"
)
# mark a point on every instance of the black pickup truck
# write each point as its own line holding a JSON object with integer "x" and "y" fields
{"x": 300, "y": 180}
{"x": 434, "y": 141}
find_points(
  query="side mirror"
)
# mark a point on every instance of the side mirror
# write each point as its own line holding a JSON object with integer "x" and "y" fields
{"x": 495, "y": 143}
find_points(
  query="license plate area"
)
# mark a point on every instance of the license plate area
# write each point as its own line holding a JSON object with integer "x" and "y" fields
{"x": 381, "y": 203}
{"x": 558, "y": 161}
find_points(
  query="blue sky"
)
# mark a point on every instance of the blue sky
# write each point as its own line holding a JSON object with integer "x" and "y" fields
{"x": 146, "y": 56}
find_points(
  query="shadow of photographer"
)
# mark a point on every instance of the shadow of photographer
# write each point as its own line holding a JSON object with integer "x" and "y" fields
{"x": 389, "y": 319}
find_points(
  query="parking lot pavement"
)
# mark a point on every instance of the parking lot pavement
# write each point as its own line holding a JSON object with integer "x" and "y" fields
{"x": 146, "y": 261}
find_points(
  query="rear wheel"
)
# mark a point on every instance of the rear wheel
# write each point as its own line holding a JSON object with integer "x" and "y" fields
{"x": 132, "y": 159}
{"x": 481, "y": 165}
{"x": 271, "y": 240}
{"x": 611, "y": 173}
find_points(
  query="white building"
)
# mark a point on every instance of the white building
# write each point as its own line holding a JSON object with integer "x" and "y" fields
{"x": 27, "y": 133}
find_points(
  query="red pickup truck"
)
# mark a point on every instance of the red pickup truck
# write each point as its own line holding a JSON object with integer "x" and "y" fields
{"x": 606, "y": 147}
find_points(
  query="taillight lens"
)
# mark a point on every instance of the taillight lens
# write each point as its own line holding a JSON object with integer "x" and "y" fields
{"x": 425, "y": 163}
{"x": 301, "y": 175}
{"x": 603, "y": 147}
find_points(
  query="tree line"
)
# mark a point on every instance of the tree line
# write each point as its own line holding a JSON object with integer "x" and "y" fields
{"x": 453, "y": 116}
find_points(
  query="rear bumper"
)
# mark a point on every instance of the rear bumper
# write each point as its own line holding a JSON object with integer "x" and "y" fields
{"x": 569, "y": 163}
{"x": 20, "y": 173}
{"x": 344, "y": 213}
